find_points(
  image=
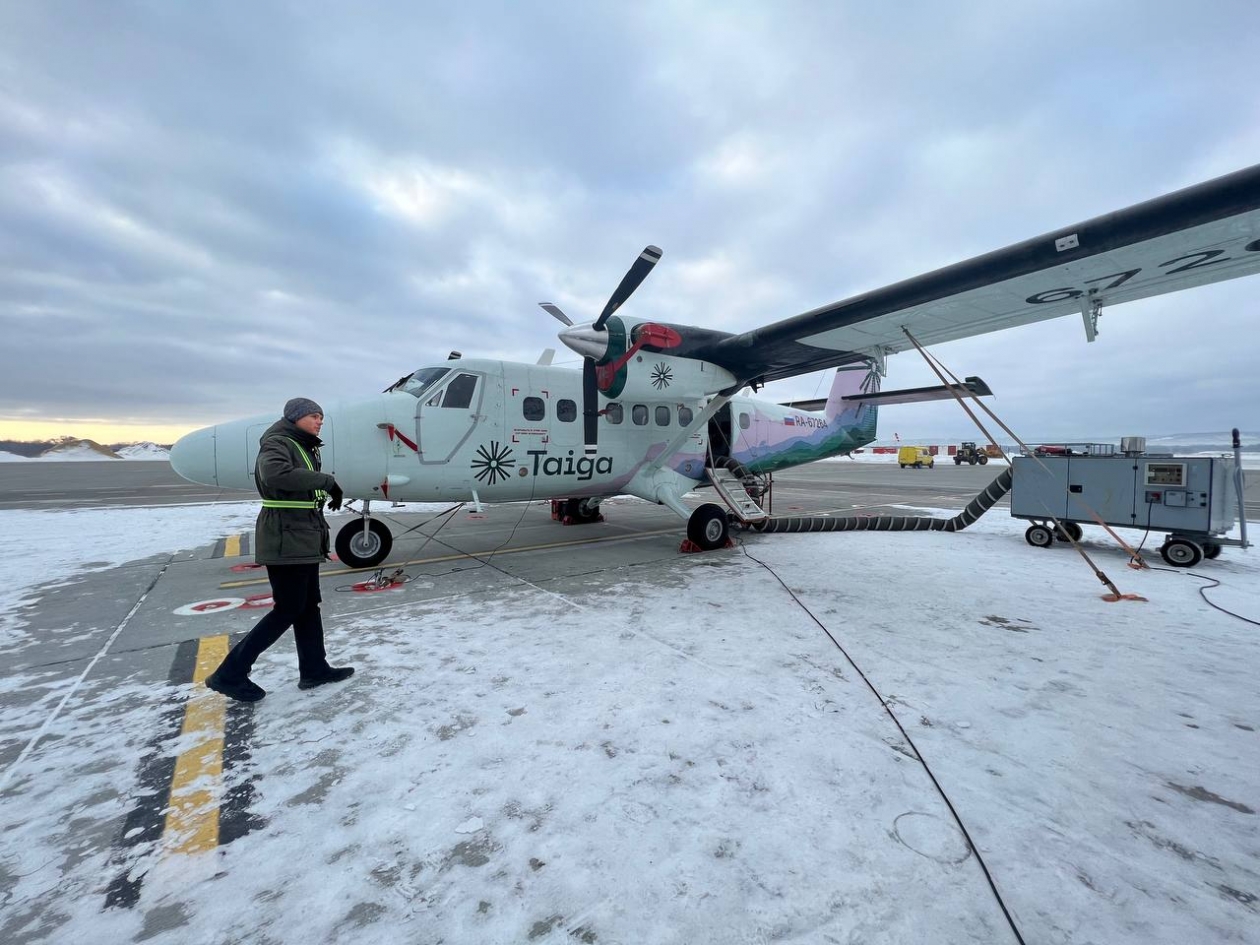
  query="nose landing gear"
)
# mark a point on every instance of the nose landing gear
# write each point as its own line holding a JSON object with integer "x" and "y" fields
{"x": 364, "y": 543}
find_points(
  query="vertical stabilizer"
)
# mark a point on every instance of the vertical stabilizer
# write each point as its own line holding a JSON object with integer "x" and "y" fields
{"x": 850, "y": 380}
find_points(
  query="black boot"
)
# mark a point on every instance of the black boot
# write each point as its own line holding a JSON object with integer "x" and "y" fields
{"x": 242, "y": 690}
{"x": 330, "y": 674}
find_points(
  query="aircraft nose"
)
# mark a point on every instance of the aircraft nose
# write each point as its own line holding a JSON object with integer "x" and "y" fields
{"x": 193, "y": 457}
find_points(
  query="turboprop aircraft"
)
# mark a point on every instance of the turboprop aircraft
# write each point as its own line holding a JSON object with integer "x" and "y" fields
{"x": 660, "y": 405}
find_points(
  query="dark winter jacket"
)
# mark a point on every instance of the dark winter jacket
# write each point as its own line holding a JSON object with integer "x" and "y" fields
{"x": 290, "y": 535}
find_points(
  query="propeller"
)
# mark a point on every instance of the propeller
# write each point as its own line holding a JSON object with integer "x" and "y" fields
{"x": 633, "y": 278}
{"x": 650, "y": 256}
{"x": 552, "y": 309}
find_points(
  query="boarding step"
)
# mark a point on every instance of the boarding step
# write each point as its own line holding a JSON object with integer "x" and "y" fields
{"x": 731, "y": 489}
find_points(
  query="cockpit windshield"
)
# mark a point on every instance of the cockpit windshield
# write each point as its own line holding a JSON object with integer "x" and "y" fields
{"x": 416, "y": 384}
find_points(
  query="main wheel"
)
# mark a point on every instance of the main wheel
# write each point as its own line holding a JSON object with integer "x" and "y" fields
{"x": 903, "y": 465}
{"x": 957, "y": 461}
{"x": 983, "y": 459}
{"x": 971, "y": 460}
{"x": 364, "y": 550}
{"x": 708, "y": 526}
{"x": 1039, "y": 536}
{"x": 1181, "y": 552}
{"x": 1211, "y": 550}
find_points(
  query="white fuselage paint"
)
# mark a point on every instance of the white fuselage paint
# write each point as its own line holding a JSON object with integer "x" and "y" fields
{"x": 508, "y": 432}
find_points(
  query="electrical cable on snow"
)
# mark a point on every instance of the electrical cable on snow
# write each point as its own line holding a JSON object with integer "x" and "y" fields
{"x": 43, "y": 729}
{"x": 1010, "y": 920}
{"x": 1205, "y": 587}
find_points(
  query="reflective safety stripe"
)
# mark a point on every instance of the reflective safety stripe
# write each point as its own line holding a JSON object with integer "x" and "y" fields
{"x": 320, "y": 495}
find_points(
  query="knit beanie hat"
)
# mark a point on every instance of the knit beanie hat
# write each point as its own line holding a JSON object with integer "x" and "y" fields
{"x": 299, "y": 407}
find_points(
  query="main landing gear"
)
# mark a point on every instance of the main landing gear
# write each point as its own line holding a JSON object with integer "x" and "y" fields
{"x": 364, "y": 543}
{"x": 709, "y": 527}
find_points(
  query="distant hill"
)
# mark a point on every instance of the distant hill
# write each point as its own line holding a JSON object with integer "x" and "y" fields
{"x": 71, "y": 449}
{"x": 149, "y": 451}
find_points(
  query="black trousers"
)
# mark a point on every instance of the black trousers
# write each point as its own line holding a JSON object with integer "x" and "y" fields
{"x": 295, "y": 590}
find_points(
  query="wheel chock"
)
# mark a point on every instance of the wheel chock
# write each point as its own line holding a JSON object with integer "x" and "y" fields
{"x": 690, "y": 547}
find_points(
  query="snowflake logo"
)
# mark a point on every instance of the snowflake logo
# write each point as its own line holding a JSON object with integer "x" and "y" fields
{"x": 493, "y": 464}
{"x": 661, "y": 375}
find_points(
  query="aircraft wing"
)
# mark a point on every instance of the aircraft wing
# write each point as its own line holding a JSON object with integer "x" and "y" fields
{"x": 1203, "y": 234}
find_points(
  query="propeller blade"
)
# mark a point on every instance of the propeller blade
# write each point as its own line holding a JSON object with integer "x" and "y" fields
{"x": 650, "y": 256}
{"x": 552, "y": 309}
{"x": 590, "y": 405}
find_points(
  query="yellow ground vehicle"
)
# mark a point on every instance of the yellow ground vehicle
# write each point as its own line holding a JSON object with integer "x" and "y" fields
{"x": 916, "y": 456}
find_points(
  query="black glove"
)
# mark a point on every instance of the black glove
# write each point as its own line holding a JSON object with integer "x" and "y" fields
{"x": 335, "y": 496}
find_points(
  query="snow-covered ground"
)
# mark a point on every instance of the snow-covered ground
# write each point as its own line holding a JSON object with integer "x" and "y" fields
{"x": 689, "y": 757}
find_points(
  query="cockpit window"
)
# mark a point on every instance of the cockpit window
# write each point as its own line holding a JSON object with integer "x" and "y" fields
{"x": 421, "y": 381}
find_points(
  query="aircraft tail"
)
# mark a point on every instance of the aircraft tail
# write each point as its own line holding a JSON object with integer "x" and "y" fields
{"x": 848, "y": 382}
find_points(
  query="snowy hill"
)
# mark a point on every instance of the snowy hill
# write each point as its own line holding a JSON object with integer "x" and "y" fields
{"x": 69, "y": 449}
{"x": 145, "y": 451}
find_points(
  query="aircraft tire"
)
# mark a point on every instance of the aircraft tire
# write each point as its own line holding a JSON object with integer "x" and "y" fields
{"x": 708, "y": 527}
{"x": 357, "y": 550}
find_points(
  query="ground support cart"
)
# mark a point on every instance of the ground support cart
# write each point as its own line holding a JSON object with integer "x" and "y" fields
{"x": 1195, "y": 500}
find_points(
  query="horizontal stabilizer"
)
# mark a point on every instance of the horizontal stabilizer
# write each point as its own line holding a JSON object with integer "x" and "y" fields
{"x": 912, "y": 395}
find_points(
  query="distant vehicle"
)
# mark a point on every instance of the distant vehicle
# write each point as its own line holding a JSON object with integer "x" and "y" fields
{"x": 969, "y": 453}
{"x": 916, "y": 456}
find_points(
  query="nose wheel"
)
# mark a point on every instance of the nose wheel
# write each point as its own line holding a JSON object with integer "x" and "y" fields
{"x": 364, "y": 543}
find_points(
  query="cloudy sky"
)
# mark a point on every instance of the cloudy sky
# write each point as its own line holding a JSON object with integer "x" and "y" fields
{"x": 208, "y": 208}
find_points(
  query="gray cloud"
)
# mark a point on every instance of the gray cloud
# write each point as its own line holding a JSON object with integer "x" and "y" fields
{"x": 203, "y": 211}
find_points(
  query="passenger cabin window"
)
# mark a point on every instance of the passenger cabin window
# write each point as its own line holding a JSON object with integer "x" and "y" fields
{"x": 639, "y": 415}
{"x": 459, "y": 392}
{"x": 533, "y": 408}
{"x": 744, "y": 422}
{"x": 662, "y": 416}
{"x": 614, "y": 413}
{"x": 684, "y": 416}
{"x": 566, "y": 411}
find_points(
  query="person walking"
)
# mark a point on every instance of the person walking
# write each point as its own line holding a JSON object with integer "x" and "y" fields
{"x": 291, "y": 539}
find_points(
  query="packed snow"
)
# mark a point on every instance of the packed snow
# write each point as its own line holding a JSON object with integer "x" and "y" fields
{"x": 683, "y": 754}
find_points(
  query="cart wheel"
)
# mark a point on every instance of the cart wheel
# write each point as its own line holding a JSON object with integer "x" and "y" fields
{"x": 1039, "y": 536}
{"x": 1181, "y": 552}
{"x": 1068, "y": 529}
{"x": 1211, "y": 550}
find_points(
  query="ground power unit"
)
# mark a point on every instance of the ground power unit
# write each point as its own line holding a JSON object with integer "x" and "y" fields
{"x": 1194, "y": 499}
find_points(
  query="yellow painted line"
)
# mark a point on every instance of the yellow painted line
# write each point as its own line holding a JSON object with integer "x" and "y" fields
{"x": 465, "y": 556}
{"x": 192, "y": 822}
{"x": 232, "y": 546}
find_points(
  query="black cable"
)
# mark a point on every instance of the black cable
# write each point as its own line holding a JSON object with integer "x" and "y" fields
{"x": 906, "y": 735}
{"x": 1205, "y": 587}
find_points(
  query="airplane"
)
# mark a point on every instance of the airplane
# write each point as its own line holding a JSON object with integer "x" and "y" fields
{"x": 657, "y": 411}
